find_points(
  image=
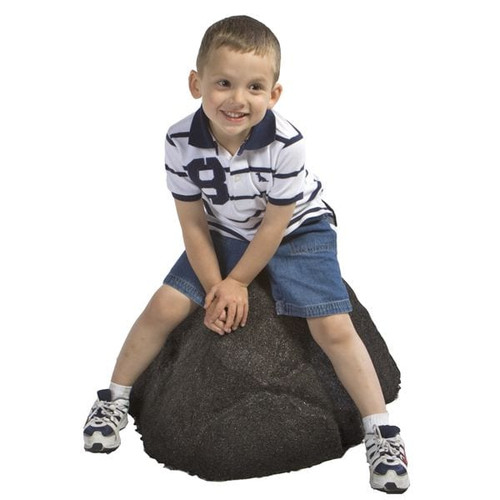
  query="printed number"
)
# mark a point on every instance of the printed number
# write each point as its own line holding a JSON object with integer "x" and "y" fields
{"x": 208, "y": 174}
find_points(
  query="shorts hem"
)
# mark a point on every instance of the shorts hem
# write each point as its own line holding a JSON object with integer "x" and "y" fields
{"x": 186, "y": 288}
{"x": 314, "y": 311}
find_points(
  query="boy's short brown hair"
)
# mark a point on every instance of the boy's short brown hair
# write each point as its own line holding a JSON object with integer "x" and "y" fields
{"x": 242, "y": 34}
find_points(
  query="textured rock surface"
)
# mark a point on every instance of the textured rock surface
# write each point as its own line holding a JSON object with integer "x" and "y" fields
{"x": 259, "y": 401}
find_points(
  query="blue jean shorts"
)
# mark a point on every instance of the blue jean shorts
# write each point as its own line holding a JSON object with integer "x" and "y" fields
{"x": 304, "y": 272}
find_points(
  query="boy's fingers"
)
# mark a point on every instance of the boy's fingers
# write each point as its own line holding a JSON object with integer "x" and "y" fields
{"x": 240, "y": 314}
{"x": 245, "y": 315}
{"x": 217, "y": 326}
{"x": 231, "y": 315}
{"x": 219, "y": 309}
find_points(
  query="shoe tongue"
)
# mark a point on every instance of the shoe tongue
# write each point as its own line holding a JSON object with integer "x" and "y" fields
{"x": 104, "y": 395}
{"x": 389, "y": 431}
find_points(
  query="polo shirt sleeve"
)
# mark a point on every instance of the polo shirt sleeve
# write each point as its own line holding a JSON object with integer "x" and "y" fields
{"x": 289, "y": 174}
{"x": 178, "y": 181}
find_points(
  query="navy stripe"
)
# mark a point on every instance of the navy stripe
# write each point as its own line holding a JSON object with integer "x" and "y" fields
{"x": 289, "y": 142}
{"x": 180, "y": 174}
{"x": 257, "y": 225}
{"x": 291, "y": 174}
{"x": 316, "y": 191}
{"x": 170, "y": 141}
{"x": 180, "y": 134}
{"x": 301, "y": 216}
{"x": 227, "y": 230}
{"x": 253, "y": 169}
{"x": 332, "y": 212}
{"x": 247, "y": 197}
{"x": 181, "y": 197}
{"x": 286, "y": 201}
{"x": 207, "y": 208}
{"x": 256, "y": 214}
{"x": 295, "y": 128}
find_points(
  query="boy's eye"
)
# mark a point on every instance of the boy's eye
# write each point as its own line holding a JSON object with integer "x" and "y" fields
{"x": 256, "y": 86}
{"x": 223, "y": 83}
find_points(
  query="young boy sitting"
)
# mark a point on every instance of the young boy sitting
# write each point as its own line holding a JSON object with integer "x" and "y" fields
{"x": 246, "y": 202}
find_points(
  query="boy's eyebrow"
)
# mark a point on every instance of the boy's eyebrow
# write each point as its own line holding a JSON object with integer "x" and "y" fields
{"x": 226, "y": 76}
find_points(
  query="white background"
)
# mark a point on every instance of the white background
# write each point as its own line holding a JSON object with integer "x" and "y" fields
{"x": 405, "y": 94}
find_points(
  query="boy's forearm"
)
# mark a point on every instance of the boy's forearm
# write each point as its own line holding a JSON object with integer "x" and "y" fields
{"x": 201, "y": 255}
{"x": 257, "y": 255}
{"x": 198, "y": 244}
{"x": 264, "y": 244}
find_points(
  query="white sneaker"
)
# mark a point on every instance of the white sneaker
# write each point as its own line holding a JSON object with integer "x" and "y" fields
{"x": 101, "y": 433}
{"x": 385, "y": 453}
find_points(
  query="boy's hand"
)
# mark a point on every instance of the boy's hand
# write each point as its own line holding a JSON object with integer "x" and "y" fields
{"x": 218, "y": 325}
{"x": 229, "y": 296}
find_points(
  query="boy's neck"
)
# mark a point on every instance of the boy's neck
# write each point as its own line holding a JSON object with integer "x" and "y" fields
{"x": 232, "y": 149}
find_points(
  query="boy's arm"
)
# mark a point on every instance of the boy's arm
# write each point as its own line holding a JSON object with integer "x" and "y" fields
{"x": 197, "y": 241}
{"x": 200, "y": 252}
{"x": 229, "y": 292}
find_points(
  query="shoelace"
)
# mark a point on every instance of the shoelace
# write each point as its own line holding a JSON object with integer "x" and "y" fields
{"x": 107, "y": 410}
{"x": 385, "y": 446}
{"x": 389, "y": 446}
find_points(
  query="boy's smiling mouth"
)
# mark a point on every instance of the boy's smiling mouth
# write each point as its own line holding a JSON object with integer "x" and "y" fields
{"x": 233, "y": 115}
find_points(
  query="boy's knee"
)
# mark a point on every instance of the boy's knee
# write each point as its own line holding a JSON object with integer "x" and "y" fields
{"x": 167, "y": 304}
{"x": 334, "y": 329}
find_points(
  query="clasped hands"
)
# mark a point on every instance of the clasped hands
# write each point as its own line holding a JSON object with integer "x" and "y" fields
{"x": 226, "y": 306}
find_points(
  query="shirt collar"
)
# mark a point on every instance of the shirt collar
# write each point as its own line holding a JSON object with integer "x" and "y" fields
{"x": 199, "y": 134}
{"x": 260, "y": 136}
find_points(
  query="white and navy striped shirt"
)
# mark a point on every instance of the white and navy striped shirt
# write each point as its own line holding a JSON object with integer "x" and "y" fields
{"x": 268, "y": 168}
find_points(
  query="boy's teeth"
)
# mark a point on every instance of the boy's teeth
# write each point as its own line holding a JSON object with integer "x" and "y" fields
{"x": 234, "y": 115}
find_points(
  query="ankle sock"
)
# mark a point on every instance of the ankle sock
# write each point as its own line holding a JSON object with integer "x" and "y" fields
{"x": 375, "y": 419}
{"x": 119, "y": 391}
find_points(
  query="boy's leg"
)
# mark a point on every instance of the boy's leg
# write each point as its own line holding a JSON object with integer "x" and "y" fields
{"x": 338, "y": 338}
{"x": 108, "y": 416}
{"x": 386, "y": 456}
{"x": 167, "y": 308}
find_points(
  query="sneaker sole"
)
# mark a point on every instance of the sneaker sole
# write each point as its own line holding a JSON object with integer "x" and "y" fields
{"x": 395, "y": 484}
{"x": 391, "y": 488}
{"x": 99, "y": 448}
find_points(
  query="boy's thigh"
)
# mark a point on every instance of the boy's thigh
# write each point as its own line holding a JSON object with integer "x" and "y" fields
{"x": 183, "y": 278}
{"x": 305, "y": 274}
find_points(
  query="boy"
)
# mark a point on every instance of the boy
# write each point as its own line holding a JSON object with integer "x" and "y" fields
{"x": 245, "y": 201}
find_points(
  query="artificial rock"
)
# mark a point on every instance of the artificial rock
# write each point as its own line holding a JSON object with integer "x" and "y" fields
{"x": 259, "y": 401}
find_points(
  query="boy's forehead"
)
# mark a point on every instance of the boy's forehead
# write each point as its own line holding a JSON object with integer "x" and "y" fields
{"x": 225, "y": 55}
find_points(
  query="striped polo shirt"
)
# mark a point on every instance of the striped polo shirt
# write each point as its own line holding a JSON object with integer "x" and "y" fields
{"x": 268, "y": 168}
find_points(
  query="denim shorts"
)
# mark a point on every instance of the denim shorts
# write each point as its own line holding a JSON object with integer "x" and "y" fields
{"x": 304, "y": 272}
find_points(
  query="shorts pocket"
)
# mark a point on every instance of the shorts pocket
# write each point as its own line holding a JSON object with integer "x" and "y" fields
{"x": 314, "y": 243}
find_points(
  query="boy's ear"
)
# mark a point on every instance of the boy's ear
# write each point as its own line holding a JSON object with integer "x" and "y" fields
{"x": 275, "y": 95}
{"x": 194, "y": 84}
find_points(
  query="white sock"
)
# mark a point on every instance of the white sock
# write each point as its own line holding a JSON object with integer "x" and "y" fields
{"x": 375, "y": 419}
{"x": 119, "y": 391}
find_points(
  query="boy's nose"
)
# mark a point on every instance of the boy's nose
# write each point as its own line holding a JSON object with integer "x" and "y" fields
{"x": 237, "y": 97}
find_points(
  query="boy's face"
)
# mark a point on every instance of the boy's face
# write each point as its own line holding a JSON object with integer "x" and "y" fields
{"x": 236, "y": 90}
